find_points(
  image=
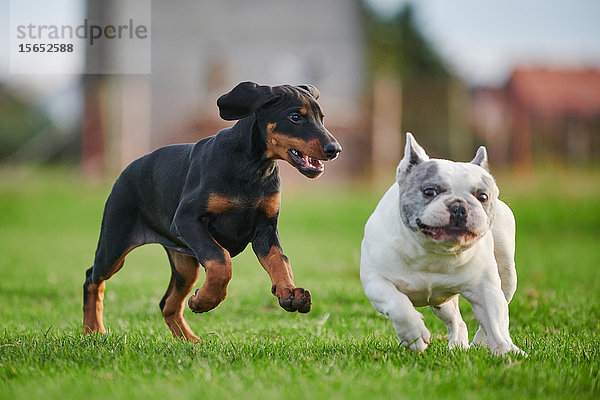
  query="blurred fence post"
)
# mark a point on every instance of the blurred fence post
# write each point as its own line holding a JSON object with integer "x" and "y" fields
{"x": 387, "y": 123}
{"x": 92, "y": 127}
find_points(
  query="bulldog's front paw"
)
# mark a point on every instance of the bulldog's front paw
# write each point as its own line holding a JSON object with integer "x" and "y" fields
{"x": 418, "y": 345}
{"x": 458, "y": 337}
{"x": 502, "y": 349}
{"x": 480, "y": 338}
{"x": 518, "y": 351}
{"x": 415, "y": 338}
{"x": 293, "y": 299}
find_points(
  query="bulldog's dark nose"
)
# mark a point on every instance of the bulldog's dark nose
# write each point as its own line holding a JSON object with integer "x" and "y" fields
{"x": 458, "y": 215}
{"x": 332, "y": 150}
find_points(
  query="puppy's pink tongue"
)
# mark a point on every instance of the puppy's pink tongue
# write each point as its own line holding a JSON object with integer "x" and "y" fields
{"x": 311, "y": 162}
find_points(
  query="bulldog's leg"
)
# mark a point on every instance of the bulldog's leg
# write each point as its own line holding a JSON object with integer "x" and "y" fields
{"x": 449, "y": 312}
{"x": 479, "y": 339}
{"x": 503, "y": 232}
{"x": 508, "y": 276}
{"x": 491, "y": 310}
{"x": 396, "y": 306}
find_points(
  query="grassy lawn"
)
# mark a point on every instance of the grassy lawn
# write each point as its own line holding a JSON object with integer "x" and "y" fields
{"x": 342, "y": 349}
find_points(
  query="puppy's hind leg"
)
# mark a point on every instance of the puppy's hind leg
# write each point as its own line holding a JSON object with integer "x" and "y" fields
{"x": 93, "y": 305}
{"x": 117, "y": 239}
{"x": 449, "y": 312}
{"x": 93, "y": 292}
{"x": 184, "y": 274}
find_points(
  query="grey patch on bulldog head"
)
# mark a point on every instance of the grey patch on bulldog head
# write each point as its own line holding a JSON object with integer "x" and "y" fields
{"x": 419, "y": 172}
{"x": 415, "y": 179}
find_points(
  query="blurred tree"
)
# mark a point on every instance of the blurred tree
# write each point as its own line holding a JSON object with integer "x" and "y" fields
{"x": 26, "y": 132}
{"x": 432, "y": 101}
{"x": 398, "y": 46}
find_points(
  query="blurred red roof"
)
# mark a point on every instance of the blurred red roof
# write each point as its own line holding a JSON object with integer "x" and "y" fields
{"x": 548, "y": 92}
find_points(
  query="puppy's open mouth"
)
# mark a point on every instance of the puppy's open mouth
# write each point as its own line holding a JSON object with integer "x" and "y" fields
{"x": 311, "y": 167}
{"x": 446, "y": 233}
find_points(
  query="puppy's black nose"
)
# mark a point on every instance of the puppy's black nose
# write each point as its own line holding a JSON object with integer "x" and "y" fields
{"x": 332, "y": 150}
{"x": 458, "y": 215}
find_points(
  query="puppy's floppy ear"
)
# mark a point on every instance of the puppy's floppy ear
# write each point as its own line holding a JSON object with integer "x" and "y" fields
{"x": 481, "y": 158}
{"x": 243, "y": 100}
{"x": 314, "y": 92}
{"x": 413, "y": 155}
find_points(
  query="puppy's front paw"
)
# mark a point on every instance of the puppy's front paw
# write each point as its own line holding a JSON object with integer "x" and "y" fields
{"x": 293, "y": 299}
{"x": 202, "y": 301}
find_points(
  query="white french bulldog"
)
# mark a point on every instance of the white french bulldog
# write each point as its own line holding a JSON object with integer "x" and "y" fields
{"x": 438, "y": 232}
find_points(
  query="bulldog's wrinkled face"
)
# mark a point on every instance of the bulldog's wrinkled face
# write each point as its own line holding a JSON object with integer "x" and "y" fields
{"x": 444, "y": 201}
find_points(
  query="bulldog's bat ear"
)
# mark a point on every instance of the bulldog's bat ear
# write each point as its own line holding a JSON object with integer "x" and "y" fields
{"x": 314, "y": 92}
{"x": 413, "y": 155}
{"x": 243, "y": 100}
{"x": 481, "y": 158}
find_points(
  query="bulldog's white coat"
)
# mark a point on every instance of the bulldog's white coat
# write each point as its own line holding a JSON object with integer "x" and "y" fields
{"x": 418, "y": 252}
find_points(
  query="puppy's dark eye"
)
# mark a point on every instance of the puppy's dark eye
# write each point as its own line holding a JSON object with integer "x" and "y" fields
{"x": 295, "y": 118}
{"x": 430, "y": 192}
{"x": 482, "y": 197}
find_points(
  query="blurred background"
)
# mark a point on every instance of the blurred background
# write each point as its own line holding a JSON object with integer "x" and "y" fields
{"x": 522, "y": 78}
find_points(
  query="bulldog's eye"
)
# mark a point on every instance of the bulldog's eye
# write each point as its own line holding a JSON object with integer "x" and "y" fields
{"x": 430, "y": 192}
{"x": 482, "y": 197}
{"x": 295, "y": 118}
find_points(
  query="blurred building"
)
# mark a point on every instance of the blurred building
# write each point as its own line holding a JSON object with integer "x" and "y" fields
{"x": 202, "y": 49}
{"x": 541, "y": 114}
{"x": 413, "y": 90}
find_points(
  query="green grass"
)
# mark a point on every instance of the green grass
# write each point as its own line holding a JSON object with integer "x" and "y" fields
{"x": 342, "y": 349}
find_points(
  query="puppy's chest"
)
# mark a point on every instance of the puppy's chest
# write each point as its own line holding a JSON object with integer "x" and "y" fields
{"x": 233, "y": 221}
{"x": 265, "y": 205}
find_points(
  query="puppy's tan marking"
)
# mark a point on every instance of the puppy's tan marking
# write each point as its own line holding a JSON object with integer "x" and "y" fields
{"x": 278, "y": 144}
{"x": 218, "y": 204}
{"x": 270, "y": 205}
{"x": 93, "y": 308}
{"x": 214, "y": 289}
{"x": 183, "y": 278}
{"x": 278, "y": 267}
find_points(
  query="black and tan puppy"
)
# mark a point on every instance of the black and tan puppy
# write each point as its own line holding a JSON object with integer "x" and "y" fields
{"x": 205, "y": 202}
